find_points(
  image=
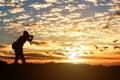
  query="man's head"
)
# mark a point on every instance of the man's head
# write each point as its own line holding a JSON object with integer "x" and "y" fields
{"x": 25, "y": 33}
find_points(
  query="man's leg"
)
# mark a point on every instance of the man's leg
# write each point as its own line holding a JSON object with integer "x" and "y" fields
{"x": 22, "y": 57}
{"x": 16, "y": 57}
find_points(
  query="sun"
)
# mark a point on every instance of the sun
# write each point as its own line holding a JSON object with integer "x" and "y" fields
{"x": 75, "y": 52}
{"x": 73, "y": 55}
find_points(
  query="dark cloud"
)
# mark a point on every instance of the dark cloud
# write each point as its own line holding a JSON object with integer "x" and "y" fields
{"x": 40, "y": 43}
{"x": 2, "y": 46}
{"x": 117, "y": 14}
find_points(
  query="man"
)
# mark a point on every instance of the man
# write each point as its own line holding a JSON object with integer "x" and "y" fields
{"x": 18, "y": 46}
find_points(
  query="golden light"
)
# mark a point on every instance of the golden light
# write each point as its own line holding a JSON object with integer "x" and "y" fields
{"x": 75, "y": 52}
{"x": 74, "y": 61}
{"x": 72, "y": 55}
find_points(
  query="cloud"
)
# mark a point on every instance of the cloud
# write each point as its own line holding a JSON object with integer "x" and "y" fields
{"x": 94, "y": 1}
{"x": 20, "y": 26}
{"x": 39, "y": 43}
{"x": 53, "y": 19}
{"x": 116, "y": 1}
{"x": 1, "y": 4}
{"x": 2, "y": 46}
{"x": 66, "y": 1}
{"x": 50, "y": 1}
{"x": 15, "y": 24}
{"x": 9, "y": 2}
{"x": 2, "y": 1}
{"x": 100, "y": 14}
{"x": 83, "y": 6}
{"x": 48, "y": 15}
{"x": 73, "y": 15}
{"x": 56, "y": 10}
{"x": 71, "y": 8}
{"x": 117, "y": 14}
{"x": 16, "y": 10}
{"x": 38, "y": 6}
{"x": 46, "y": 44}
{"x": 23, "y": 16}
{"x": 115, "y": 7}
{"x": 66, "y": 13}
{"x": 3, "y": 14}
{"x": 6, "y": 20}
{"x": 38, "y": 16}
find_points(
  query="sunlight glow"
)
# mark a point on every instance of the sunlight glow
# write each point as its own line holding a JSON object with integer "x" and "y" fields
{"x": 74, "y": 61}
{"x": 75, "y": 52}
{"x": 72, "y": 55}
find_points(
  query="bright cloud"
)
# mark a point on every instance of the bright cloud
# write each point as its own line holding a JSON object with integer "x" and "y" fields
{"x": 23, "y": 16}
{"x": 94, "y": 1}
{"x": 3, "y": 14}
{"x": 16, "y": 10}
{"x": 38, "y": 6}
{"x": 56, "y": 10}
{"x": 2, "y": 1}
{"x": 100, "y": 14}
{"x": 50, "y": 1}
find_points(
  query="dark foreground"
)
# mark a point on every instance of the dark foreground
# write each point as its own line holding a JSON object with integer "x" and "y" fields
{"x": 61, "y": 71}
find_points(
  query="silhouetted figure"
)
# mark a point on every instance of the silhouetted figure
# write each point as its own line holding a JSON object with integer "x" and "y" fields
{"x": 18, "y": 46}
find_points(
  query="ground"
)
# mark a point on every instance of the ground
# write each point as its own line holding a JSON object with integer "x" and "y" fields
{"x": 58, "y": 71}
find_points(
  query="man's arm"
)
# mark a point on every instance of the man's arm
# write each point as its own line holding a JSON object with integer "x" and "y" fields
{"x": 30, "y": 39}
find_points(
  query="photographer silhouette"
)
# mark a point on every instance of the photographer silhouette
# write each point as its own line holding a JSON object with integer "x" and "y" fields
{"x": 18, "y": 46}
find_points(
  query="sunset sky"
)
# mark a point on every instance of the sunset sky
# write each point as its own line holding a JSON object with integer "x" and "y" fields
{"x": 74, "y": 29}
